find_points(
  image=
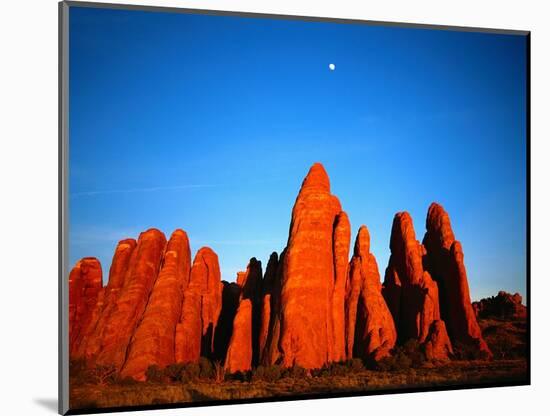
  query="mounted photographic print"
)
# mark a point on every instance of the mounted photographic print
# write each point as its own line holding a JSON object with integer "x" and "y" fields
{"x": 261, "y": 208}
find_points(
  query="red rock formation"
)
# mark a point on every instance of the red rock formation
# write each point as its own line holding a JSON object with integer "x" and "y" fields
{"x": 133, "y": 298}
{"x": 271, "y": 353}
{"x": 503, "y": 306}
{"x": 370, "y": 331}
{"x": 188, "y": 338}
{"x": 239, "y": 353}
{"x": 405, "y": 267}
{"x": 341, "y": 242}
{"x": 91, "y": 342}
{"x": 201, "y": 308}
{"x": 409, "y": 289}
{"x": 266, "y": 315}
{"x": 438, "y": 346}
{"x": 231, "y": 293}
{"x": 445, "y": 262}
{"x": 85, "y": 286}
{"x": 154, "y": 339}
{"x": 245, "y": 334}
{"x": 307, "y": 336}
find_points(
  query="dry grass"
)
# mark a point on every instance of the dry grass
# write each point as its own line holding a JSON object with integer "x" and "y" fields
{"x": 454, "y": 373}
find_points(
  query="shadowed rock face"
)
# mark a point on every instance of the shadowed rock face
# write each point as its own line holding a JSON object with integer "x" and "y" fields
{"x": 307, "y": 331}
{"x": 85, "y": 287}
{"x": 231, "y": 293}
{"x": 445, "y": 261}
{"x": 132, "y": 300}
{"x": 271, "y": 353}
{"x": 405, "y": 277}
{"x": 370, "y": 331}
{"x": 243, "y": 351}
{"x": 269, "y": 289}
{"x": 154, "y": 339}
{"x": 201, "y": 308}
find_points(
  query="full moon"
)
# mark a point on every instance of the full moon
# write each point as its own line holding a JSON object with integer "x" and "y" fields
{"x": 332, "y": 67}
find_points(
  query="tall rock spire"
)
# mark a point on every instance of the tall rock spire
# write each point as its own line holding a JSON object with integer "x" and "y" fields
{"x": 445, "y": 261}
{"x": 154, "y": 339}
{"x": 370, "y": 330}
{"x": 308, "y": 280}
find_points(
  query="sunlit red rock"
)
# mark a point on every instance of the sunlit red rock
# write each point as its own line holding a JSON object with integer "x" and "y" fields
{"x": 154, "y": 339}
{"x": 370, "y": 330}
{"x": 341, "y": 243}
{"x": 85, "y": 285}
{"x": 306, "y": 336}
{"x": 133, "y": 298}
{"x": 188, "y": 336}
{"x": 201, "y": 307}
{"x": 92, "y": 341}
{"x": 245, "y": 334}
{"x": 437, "y": 345}
{"x": 239, "y": 353}
{"x": 445, "y": 262}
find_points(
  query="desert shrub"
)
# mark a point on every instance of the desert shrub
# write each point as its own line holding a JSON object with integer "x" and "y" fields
{"x": 355, "y": 365}
{"x": 191, "y": 372}
{"x": 174, "y": 372}
{"x": 206, "y": 368}
{"x": 77, "y": 367}
{"x": 396, "y": 362}
{"x": 240, "y": 376}
{"x": 330, "y": 369}
{"x": 408, "y": 355}
{"x": 294, "y": 372}
{"x": 78, "y": 372}
{"x": 154, "y": 374}
{"x": 219, "y": 372}
{"x": 267, "y": 373}
{"x": 126, "y": 381}
{"x": 463, "y": 351}
{"x": 413, "y": 350}
{"x": 102, "y": 374}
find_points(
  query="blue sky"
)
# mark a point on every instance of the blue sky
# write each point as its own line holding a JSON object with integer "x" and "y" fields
{"x": 210, "y": 123}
